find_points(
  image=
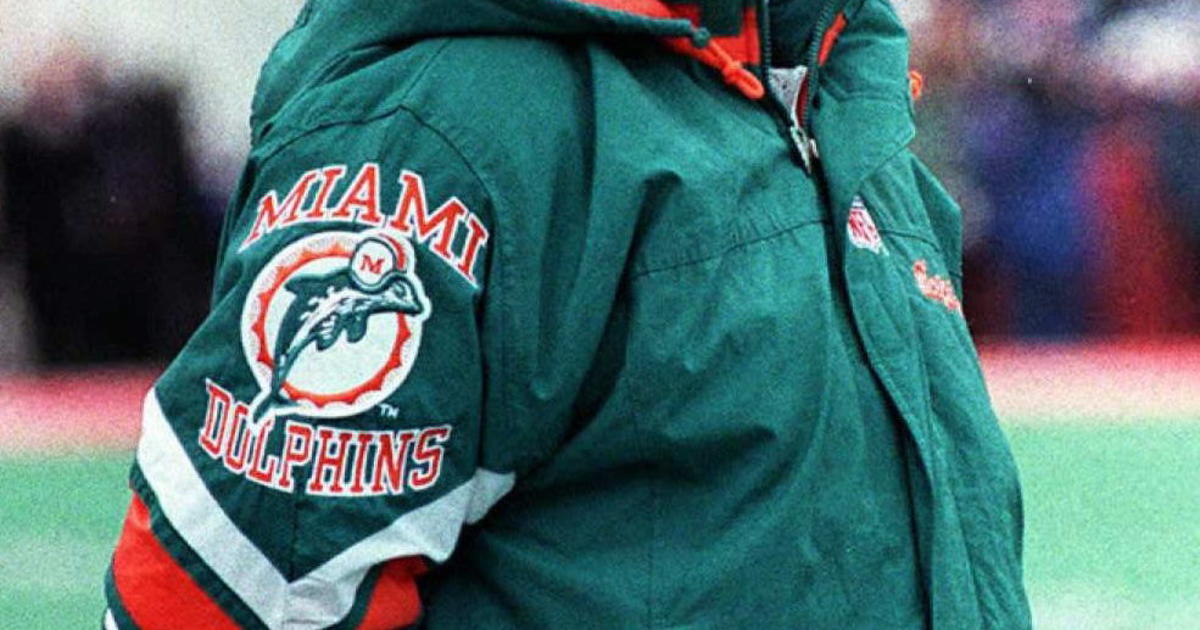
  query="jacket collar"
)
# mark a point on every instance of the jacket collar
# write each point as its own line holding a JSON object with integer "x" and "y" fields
{"x": 728, "y": 35}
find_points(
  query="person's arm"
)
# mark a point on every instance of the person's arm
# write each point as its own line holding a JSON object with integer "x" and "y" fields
{"x": 319, "y": 438}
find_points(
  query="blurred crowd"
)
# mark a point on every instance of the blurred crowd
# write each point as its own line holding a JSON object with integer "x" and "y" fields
{"x": 1069, "y": 131}
{"x": 106, "y": 240}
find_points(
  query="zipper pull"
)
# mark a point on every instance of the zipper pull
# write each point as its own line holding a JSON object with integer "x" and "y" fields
{"x": 806, "y": 147}
{"x": 788, "y": 86}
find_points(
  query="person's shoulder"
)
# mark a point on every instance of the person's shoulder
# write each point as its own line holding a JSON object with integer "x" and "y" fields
{"x": 466, "y": 78}
{"x": 505, "y": 90}
{"x": 489, "y": 96}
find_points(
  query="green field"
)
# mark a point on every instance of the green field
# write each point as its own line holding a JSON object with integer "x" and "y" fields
{"x": 61, "y": 516}
{"x": 1112, "y": 514}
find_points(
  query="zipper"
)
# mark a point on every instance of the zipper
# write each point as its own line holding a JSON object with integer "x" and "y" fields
{"x": 783, "y": 114}
{"x": 764, "y": 37}
{"x": 795, "y": 121}
{"x": 824, "y": 22}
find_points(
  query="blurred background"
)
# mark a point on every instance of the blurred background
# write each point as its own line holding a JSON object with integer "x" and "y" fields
{"x": 1068, "y": 130}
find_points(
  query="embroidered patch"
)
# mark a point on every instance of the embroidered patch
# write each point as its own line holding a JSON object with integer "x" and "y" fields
{"x": 362, "y": 204}
{"x": 338, "y": 462}
{"x": 861, "y": 228}
{"x": 332, "y": 324}
{"x": 331, "y": 327}
{"x": 936, "y": 288}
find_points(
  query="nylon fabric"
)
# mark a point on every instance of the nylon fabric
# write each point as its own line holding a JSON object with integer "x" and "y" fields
{"x": 512, "y": 291}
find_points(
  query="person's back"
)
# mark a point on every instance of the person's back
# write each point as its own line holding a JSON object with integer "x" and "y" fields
{"x": 540, "y": 268}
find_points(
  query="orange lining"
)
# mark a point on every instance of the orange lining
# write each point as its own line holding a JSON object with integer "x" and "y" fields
{"x": 827, "y": 43}
{"x": 395, "y": 602}
{"x": 732, "y": 70}
{"x": 744, "y": 47}
{"x": 155, "y": 591}
{"x": 728, "y": 54}
{"x": 646, "y": 8}
{"x": 831, "y": 37}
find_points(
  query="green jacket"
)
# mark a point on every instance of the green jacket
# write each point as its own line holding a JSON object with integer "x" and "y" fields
{"x": 542, "y": 314}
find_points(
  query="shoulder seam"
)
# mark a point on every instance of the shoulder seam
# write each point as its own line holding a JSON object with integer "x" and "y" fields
{"x": 305, "y": 132}
{"x": 497, "y": 274}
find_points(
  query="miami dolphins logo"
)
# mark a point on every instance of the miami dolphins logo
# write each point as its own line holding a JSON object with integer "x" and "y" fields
{"x": 332, "y": 324}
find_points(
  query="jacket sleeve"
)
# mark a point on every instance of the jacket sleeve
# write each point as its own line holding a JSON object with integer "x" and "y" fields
{"x": 318, "y": 440}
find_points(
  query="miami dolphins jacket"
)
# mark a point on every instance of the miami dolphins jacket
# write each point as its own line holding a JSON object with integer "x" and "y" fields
{"x": 600, "y": 314}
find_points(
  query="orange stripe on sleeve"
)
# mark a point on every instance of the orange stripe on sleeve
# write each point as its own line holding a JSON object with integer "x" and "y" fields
{"x": 395, "y": 602}
{"x": 156, "y": 592}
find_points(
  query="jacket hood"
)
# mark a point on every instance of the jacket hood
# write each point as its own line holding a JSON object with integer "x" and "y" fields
{"x": 725, "y": 34}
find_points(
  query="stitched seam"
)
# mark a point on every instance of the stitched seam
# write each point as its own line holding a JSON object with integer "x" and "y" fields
{"x": 304, "y": 131}
{"x": 726, "y": 250}
{"x": 876, "y": 94}
{"x": 915, "y": 236}
{"x": 488, "y": 190}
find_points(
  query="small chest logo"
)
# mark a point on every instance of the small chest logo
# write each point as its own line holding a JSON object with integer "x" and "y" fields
{"x": 936, "y": 288}
{"x": 861, "y": 228}
{"x": 332, "y": 324}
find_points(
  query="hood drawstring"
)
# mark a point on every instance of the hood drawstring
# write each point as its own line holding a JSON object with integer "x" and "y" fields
{"x": 732, "y": 71}
{"x": 700, "y": 45}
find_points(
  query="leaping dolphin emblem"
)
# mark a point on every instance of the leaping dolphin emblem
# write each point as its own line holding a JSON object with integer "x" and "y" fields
{"x": 326, "y": 306}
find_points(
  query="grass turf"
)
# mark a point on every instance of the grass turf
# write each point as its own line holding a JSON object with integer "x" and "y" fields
{"x": 1113, "y": 536}
{"x": 1112, "y": 518}
{"x": 61, "y": 517}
